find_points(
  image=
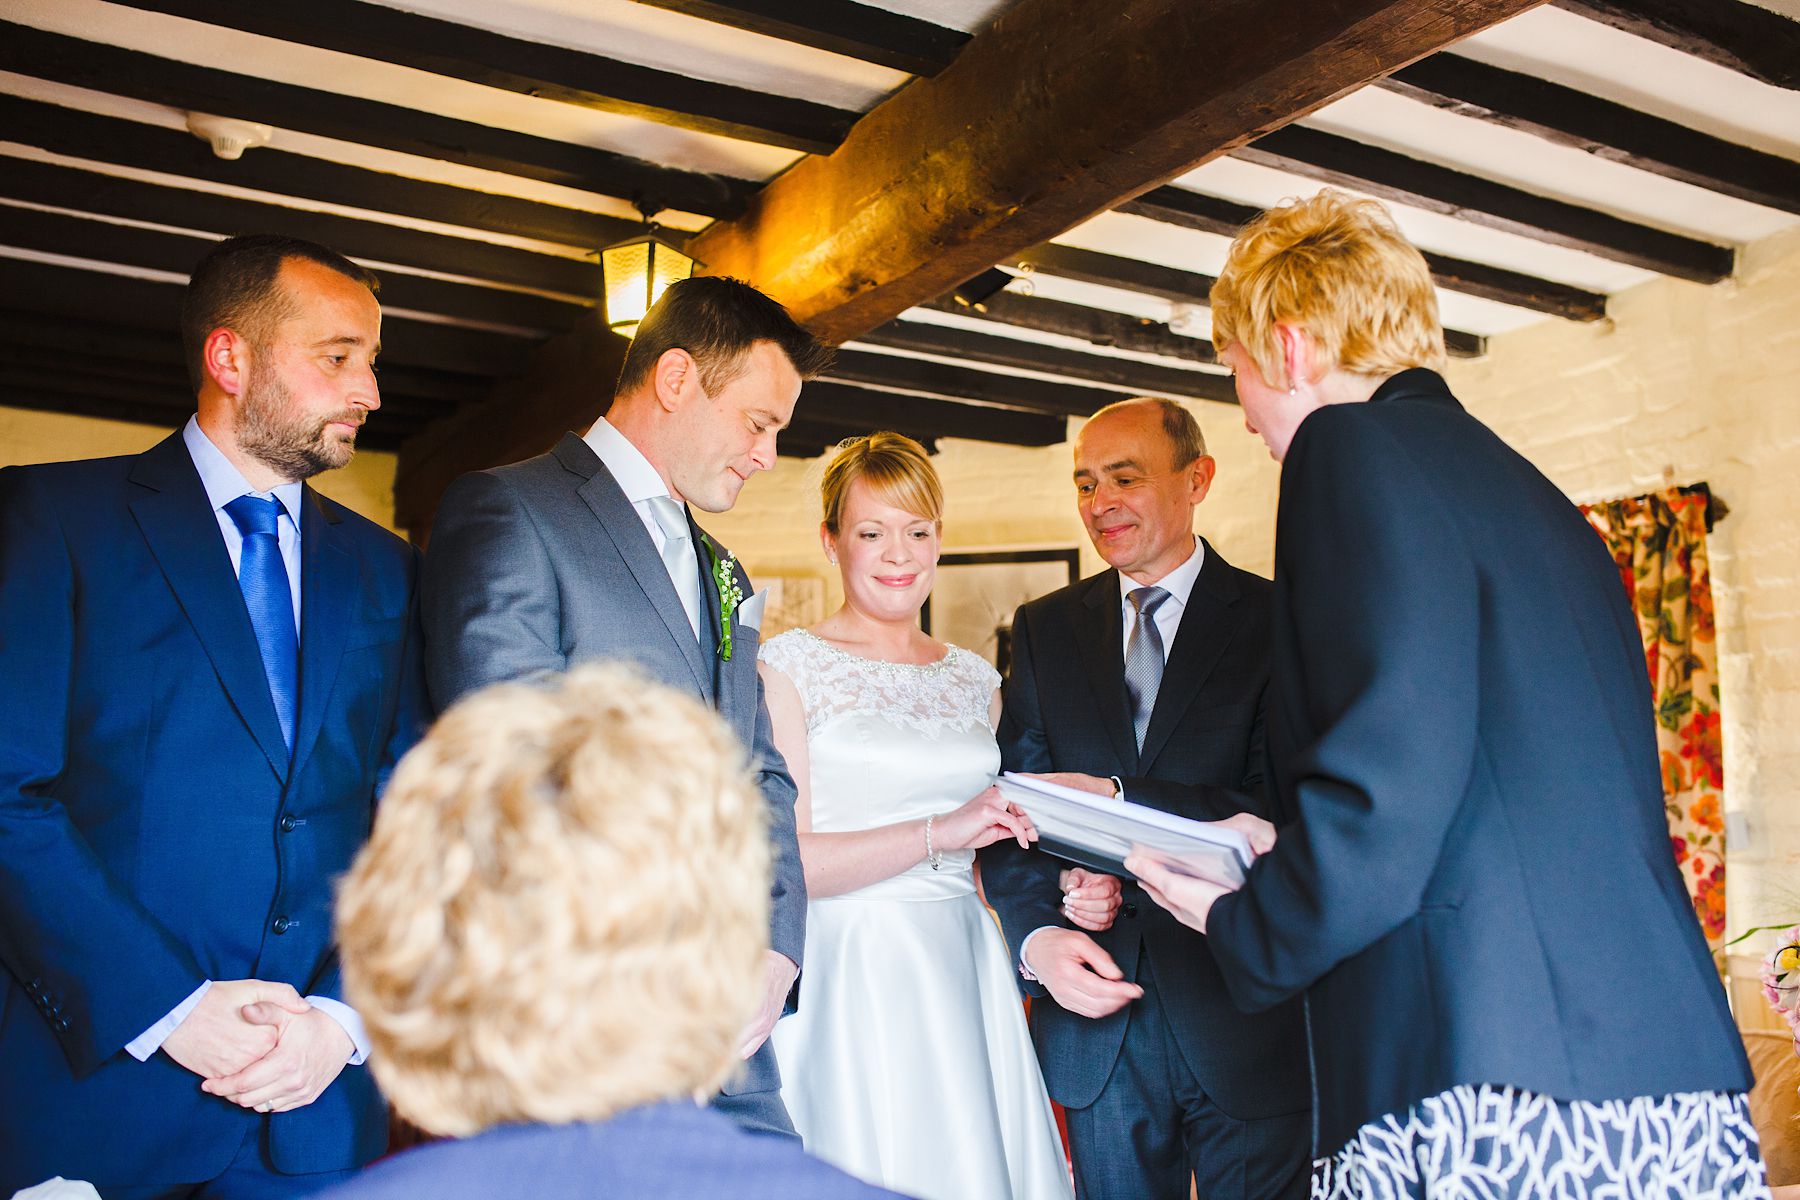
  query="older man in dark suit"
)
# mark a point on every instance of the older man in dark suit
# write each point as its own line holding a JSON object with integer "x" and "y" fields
{"x": 210, "y": 670}
{"x": 1154, "y": 672}
{"x": 591, "y": 552}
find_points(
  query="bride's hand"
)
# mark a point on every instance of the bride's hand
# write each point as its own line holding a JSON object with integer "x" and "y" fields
{"x": 982, "y": 822}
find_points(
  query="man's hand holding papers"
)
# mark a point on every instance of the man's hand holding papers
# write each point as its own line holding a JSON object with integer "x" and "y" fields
{"x": 1190, "y": 898}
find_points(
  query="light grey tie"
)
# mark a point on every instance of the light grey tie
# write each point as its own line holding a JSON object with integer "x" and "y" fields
{"x": 1144, "y": 657}
{"x": 678, "y": 555}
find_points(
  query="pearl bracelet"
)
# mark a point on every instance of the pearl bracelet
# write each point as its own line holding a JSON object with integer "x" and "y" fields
{"x": 932, "y": 856}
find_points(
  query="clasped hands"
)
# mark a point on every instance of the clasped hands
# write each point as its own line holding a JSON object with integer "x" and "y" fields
{"x": 260, "y": 1045}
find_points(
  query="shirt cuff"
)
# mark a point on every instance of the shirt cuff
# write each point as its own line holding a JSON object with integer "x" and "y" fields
{"x": 150, "y": 1041}
{"x": 346, "y": 1016}
{"x": 1025, "y": 971}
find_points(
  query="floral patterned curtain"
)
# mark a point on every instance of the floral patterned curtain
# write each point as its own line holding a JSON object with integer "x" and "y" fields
{"x": 1659, "y": 542}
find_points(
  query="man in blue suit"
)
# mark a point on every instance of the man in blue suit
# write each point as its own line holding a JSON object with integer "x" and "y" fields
{"x": 210, "y": 670}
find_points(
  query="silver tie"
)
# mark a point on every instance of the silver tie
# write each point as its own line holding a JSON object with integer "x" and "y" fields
{"x": 1144, "y": 657}
{"x": 678, "y": 555}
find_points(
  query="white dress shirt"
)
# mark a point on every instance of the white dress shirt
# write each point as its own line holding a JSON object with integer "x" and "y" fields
{"x": 641, "y": 484}
{"x": 1179, "y": 583}
{"x": 224, "y": 483}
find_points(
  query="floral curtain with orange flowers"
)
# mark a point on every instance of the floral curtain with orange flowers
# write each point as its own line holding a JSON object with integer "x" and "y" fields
{"x": 1659, "y": 542}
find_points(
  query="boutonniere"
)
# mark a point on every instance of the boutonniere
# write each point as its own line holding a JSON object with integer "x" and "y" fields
{"x": 724, "y": 573}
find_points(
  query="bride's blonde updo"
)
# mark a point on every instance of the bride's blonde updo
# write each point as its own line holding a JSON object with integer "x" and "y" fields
{"x": 895, "y": 467}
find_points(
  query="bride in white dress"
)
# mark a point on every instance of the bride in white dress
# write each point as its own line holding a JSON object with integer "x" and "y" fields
{"x": 908, "y": 1062}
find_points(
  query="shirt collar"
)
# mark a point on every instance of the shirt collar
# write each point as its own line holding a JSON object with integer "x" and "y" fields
{"x": 1179, "y": 583}
{"x": 224, "y": 482}
{"x": 630, "y": 469}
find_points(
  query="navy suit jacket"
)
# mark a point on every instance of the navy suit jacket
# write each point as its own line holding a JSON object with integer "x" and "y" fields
{"x": 1066, "y": 709}
{"x": 1477, "y": 886}
{"x": 659, "y": 1152}
{"x": 153, "y": 833}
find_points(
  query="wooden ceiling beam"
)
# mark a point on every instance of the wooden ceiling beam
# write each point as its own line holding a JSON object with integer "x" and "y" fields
{"x": 1133, "y": 375}
{"x": 101, "y": 67}
{"x": 1614, "y": 132}
{"x": 1045, "y": 119}
{"x": 1747, "y": 38}
{"x": 858, "y": 31}
{"x": 967, "y": 383}
{"x": 858, "y": 410}
{"x": 1331, "y": 159}
{"x": 176, "y": 152}
{"x": 458, "y": 51}
{"x": 164, "y": 250}
{"x": 1096, "y": 326}
{"x": 155, "y": 305}
{"x": 183, "y": 208}
{"x": 1209, "y": 214}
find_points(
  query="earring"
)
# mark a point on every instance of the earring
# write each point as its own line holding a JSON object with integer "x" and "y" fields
{"x": 1293, "y": 391}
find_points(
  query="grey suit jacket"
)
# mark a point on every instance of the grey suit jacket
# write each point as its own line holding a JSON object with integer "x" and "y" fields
{"x": 544, "y": 564}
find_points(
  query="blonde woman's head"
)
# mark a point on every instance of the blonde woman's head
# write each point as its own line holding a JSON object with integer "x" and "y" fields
{"x": 563, "y": 908}
{"x": 882, "y": 524}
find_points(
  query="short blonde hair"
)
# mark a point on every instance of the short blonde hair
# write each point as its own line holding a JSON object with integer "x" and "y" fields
{"x": 563, "y": 908}
{"x": 1339, "y": 268}
{"x": 895, "y": 467}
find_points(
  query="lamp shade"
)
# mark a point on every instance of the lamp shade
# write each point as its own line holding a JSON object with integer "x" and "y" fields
{"x": 634, "y": 273}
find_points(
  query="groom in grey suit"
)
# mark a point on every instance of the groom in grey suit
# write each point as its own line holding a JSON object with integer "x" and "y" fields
{"x": 591, "y": 552}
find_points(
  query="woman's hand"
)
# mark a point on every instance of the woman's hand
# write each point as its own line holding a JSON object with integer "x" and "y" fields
{"x": 1090, "y": 899}
{"x": 982, "y": 822}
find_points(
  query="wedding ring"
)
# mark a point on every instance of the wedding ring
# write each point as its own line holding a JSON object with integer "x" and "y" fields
{"x": 263, "y": 1107}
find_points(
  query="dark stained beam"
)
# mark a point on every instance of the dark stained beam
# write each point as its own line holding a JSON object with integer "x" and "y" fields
{"x": 376, "y": 241}
{"x": 1110, "y": 270}
{"x": 1209, "y": 214}
{"x": 530, "y": 68}
{"x": 177, "y": 152}
{"x": 155, "y": 305}
{"x": 858, "y": 31}
{"x": 1093, "y": 325}
{"x": 1181, "y": 287}
{"x": 1139, "y": 378}
{"x": 966, "y": 383}
{"x": 1741, "y": 37}
{"x": 862, "y": 410}
{"x": 62, "y": 339}
{"x": 1614, "y": 132}
{"x": 1331, "y": 159}
{"x": 1044, "y": 120}
{"x": 161, "y": 250}
{"x": 69, "y": 60}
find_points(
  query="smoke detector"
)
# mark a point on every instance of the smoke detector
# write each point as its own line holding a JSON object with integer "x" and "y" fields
{"x": 229, "y": 136}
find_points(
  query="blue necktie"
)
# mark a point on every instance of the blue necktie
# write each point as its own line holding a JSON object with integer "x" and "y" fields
{"x": 263, "y": 578}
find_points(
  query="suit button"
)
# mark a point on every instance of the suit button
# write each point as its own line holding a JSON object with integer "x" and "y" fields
{"x": 62, "y": 1024}
{"x": 1128, "y": 910}
{"x": 282, "y": 925}
{"x": 288, "y": 824}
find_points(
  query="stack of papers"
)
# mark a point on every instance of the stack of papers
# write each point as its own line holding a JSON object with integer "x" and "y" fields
{"x": 1099, "y": 831}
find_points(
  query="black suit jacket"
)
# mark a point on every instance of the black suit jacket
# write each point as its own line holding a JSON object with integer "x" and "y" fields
{"x": 1479, "y": 886}
{"x": 1066, "y": 710}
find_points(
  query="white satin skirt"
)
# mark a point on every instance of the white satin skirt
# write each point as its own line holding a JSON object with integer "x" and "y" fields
{"x": 908, "y": 1063}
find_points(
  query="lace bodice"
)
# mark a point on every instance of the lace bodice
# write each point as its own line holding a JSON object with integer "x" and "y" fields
{"x": 889, "y": 742}
{"x": 950, "y": 695}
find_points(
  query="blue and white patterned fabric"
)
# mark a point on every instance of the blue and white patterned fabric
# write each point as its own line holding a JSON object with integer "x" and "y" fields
{"x": 1487, "y": 1143}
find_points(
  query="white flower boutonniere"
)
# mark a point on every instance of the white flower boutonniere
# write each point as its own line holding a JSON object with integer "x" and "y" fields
{"x": 724, "y": 573}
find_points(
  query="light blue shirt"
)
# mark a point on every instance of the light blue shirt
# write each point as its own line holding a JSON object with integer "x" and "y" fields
{"x": 224, "y": 483}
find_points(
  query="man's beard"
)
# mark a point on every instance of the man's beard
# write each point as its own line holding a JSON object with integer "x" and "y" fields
{"x": 293, "y": 446}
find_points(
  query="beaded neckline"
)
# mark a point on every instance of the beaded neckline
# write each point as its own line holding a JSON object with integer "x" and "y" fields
{"x": 932, "y": 667}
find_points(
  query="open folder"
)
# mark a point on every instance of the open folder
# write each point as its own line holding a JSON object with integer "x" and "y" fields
{"x": 1099, "y": 831}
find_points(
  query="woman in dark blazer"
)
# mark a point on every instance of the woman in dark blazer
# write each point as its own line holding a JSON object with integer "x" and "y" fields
{"x": 1507, "y": 991}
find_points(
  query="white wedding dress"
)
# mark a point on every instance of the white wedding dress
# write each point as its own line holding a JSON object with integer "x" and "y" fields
{"x": 908, "y": 1062}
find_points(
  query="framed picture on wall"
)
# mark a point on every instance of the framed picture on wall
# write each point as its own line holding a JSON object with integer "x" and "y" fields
{"x": 976, "y": 594}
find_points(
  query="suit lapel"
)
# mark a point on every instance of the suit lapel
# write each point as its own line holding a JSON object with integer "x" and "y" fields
{"x": 327, "y": 587}
{"x": 602, "y": 494}
{"x": 182, "y": 532}
{"x": 1208, "y": 623}
{"x": 1099, "y": 630}
{"x": 709, "y": 617}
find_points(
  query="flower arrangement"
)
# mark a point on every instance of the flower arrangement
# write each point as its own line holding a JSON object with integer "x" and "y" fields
{"x": 1781, "y": 980}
